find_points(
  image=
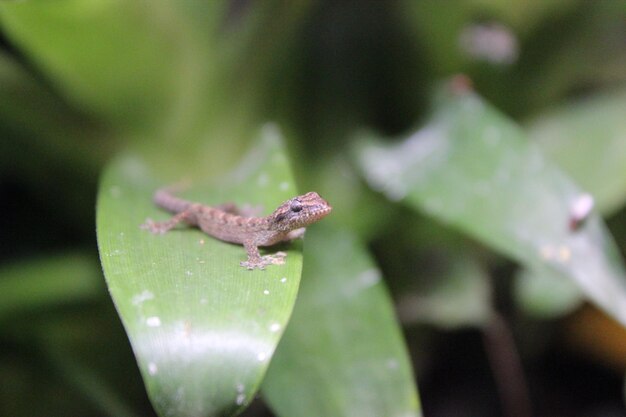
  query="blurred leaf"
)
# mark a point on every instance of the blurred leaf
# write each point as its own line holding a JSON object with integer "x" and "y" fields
{"x": 473, "y": 168}
{"x": 137, "y": 62}
{"x": 68, "y": 346}
{"x": 165, "y": 71}
{"x": 202, "y": 327}
{"x": 521, "y": 14}
{"x": 588, "y": 140}
{"x": 435, "y": 274}
{"x": 42, "y": 282}
{"x": 29, "y": 380}
{"x": 38, "y": 121}
{"x": 91, "y": 385}
{"x": 456, "y": 294}
{"x": 545, "y": 294}
{"x": 579, "y": 46}
{"x": 439, "y": 27}
{"x": 343, "y": 352}
{"x": 344, "y": 187}
{"x": 75, "y": 360}
{"x": 69, "y": 149}
{"x": 598, "y": 166}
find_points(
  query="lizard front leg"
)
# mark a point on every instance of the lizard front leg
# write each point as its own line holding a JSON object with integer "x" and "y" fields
{"x": 255, "y": 260}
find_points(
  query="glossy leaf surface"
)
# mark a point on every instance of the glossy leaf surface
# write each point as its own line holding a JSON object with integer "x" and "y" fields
{"x": 203, "y": 328}
{"x": 343, "y": 352}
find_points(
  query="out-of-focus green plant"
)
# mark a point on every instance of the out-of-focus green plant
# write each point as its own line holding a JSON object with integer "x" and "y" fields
{"x": 256, "y": 102}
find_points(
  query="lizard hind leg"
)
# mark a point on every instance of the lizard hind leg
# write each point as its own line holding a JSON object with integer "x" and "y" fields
{"x": 163, "y": 227}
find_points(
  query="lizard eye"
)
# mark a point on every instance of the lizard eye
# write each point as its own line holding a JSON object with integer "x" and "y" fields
{"x": 296, "y": 206}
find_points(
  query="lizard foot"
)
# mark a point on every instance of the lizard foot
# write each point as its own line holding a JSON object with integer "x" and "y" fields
{"x": 276, "y": 259}
{"x": 154, "y": 227}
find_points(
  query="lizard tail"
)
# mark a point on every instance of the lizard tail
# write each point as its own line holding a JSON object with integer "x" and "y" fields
{"x": 166, "y": 199}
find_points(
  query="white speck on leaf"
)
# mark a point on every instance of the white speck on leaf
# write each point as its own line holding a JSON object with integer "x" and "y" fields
{"x": 274, "y": 327}
{"x": 364, "y": 280}
{"x": 580, "y": 209}
{"x": 152, "y": 368}
{"x": 261, "y": 356}
{"x": 493, "y": 42}
{"x": 153, "y": 321}
{"x": 141, "y": 297}
{"x": 266, "y": 292}
{"x": 283, "y": 279}
{"x": 369, "y": 277}
{"x": 188, "y": 273}
{"x": 240, "y": 399}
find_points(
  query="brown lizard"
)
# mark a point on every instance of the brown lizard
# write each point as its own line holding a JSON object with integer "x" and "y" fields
{"x": 229, "y": 224}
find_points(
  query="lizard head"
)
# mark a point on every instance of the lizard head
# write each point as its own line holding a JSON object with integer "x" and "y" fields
{"x": 300, "y": 212}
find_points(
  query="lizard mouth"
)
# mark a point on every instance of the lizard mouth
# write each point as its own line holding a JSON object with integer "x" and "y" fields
{"x": 320, "y": 212}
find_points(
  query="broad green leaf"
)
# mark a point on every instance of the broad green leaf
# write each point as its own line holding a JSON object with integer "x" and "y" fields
{"x": 42, "y": 282}
{"x": 474, "y": 169}
{"x": 588, "y": 140}
{"x": 203, "y": 328}
{"x": 343, "y": 353}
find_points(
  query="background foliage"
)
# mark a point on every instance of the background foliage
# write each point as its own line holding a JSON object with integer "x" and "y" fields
{"x": 455, "y": 260}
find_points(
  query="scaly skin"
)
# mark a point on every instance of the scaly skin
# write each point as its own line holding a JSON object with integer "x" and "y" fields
{"x": 226, "y": 223}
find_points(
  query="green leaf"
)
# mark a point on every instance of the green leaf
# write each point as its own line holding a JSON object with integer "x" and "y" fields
{"x": 42, "y": 282}
{"x": 588, "y": 140}
{"x": 598, "y": 166}
{"x": 455, "y": 295}
{"x": 343, "y": 353}
{"x": 203, "y": 328}
{"x": 474, "y": 169}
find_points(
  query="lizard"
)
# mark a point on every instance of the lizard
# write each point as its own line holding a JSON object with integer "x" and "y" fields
{"x": 229, "y": 224}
